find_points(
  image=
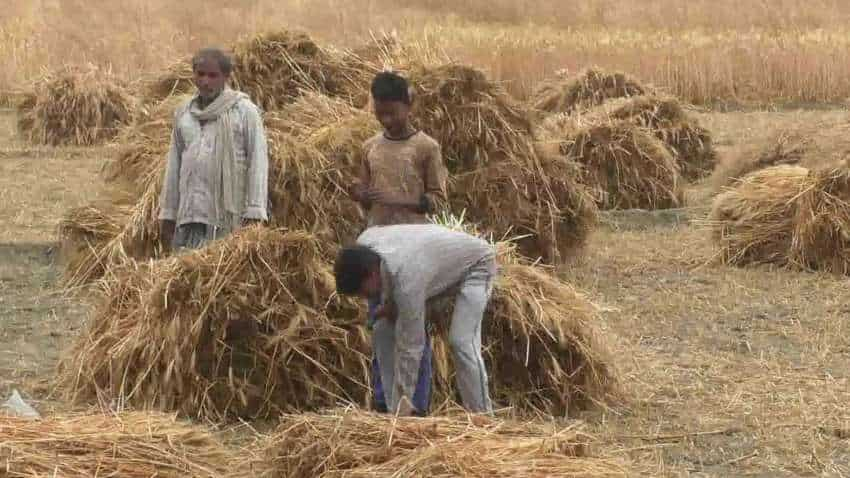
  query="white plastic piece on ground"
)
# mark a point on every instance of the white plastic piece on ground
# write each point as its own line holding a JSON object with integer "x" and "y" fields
{"x": 16, "y": 406}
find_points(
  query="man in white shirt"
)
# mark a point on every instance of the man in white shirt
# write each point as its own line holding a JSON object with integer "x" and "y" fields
{"x": 216, "y": 179}
{"x": 405, "y": 266}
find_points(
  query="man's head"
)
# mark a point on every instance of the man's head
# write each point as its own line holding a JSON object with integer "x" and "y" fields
{"x": 358, "y": 272}
{"x": 391, "y": 97}
{"x": 211, "y": 68}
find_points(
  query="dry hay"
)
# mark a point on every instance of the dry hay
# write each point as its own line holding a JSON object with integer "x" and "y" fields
{"x": 78, "y": 107}
{"x": 667, "y": 119}
{"x": 473, "y": 119}
{"x": 783, "y": 148}
{"x": 539, "y": 199}
{"x": 126, "y": 444}
{"x": 754, "y": 221}
{"x": 627, "y": 166}
{"x": 176, "y": 80}
{"x": 237, "y": 329}
{"x": 821, "y": 236}
{"x": 358, "y": 444}
{"x": 274, "y": 68}
{"x": 590, "y": 88}
{"x": 543, "y": 348}
{"x": 316, "y": 155}
{"x": 83, "y": 232}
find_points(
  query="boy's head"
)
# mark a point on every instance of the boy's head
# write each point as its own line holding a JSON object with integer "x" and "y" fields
{"x": 391, "y": 98}
{"x": 211, "y": 68}
{"x": 358, "y": 272}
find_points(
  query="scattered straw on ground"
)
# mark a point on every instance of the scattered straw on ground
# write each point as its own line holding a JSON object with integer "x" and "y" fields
{"x": 75, "y": 107}
{"x": 590, "y": 88}
{"x": 126, "y": 444}
{"x": 628, "y": 167}
{"x": 227, "y": 331}
{"x": 355, "y": 443}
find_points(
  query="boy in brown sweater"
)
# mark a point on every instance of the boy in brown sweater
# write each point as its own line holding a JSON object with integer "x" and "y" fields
{"x": 403, "y": 179}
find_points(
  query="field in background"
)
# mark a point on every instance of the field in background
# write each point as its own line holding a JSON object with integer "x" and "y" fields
{"x": 721, "y": 52}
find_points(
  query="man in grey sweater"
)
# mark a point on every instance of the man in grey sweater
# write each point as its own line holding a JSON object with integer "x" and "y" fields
{"x": 404, "y": 266}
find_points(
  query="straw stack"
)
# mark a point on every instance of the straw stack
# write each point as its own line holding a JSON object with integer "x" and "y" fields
{"x": 176, "y": 80}
{"x": 78, "y": 107}
{"x": 237, "y": 329}
{"x": 127, "y": 444}
{"x": 625, "y": 164}
{"x": 754, "y": 221}
{"x": 591, "y": 87}
{"x": 689, "y": 142}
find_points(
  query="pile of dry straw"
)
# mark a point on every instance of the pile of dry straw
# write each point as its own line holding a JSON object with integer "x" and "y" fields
{"x": 591, "y": 87}
{"x": 249, "y": 326}
{"x": 127, "y": 445}
{"x": 358, "y": 444}
{"x": 625, "y": 164}
{"x": 77, "y": 107}
{"x": 788, "y": 216}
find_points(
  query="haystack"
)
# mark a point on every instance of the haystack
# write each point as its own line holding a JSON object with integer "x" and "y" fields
{"x": 821, "y": 236}
{"x": 83, "y": 233}
{"x": 474, "y": 119}
{"x": 78, "y": 107}
{"x": 125, "y": 444}
{"x": 689, "y": 142}
{"x": 785, "y": 147}
{"x": 274, "y": 68}
{"x": 754, "y": 221}
{"x": 316, "y": 157}
{"x": 590, "y": 88}
{"x": 539, "y": 200}
{"x": 235, "y": 330}
{"x": 544, "y": 351}
{"x": 502, "y": 180}
{"x": 625, "y": 164}
{"x": 176, "y": 80}
{"x": 358, "y": 444}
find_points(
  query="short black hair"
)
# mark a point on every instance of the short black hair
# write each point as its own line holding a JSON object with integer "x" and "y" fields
{"x": 214, "y": 54}
{"x": 389, "y": 86}
{"x": 353, "y": 265}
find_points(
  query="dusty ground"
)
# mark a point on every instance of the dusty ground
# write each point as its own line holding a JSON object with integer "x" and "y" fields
{"x": 731, "y": 372}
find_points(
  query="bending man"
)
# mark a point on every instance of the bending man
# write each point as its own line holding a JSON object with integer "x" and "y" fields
{"x": 404, "y": 266}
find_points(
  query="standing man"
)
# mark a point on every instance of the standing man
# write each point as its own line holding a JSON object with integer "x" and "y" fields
{"x": 402, "y": 180}
{"x": 216, "y": 180}
{"x": 406, "y": 265}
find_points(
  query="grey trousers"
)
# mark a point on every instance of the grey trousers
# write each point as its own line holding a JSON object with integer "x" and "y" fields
{"x": 195, "y": 235}
{"x": 464, "y": 338}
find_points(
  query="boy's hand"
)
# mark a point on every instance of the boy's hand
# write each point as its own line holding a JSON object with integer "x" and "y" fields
{"x": 385, "y": 311}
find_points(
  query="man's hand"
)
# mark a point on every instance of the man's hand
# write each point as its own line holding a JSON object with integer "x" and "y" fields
{"x": 385, "y": 311}
{"x": 166, "y": 233}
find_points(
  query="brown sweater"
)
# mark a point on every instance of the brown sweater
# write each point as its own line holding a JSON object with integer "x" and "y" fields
{"x": 411, "y": 167}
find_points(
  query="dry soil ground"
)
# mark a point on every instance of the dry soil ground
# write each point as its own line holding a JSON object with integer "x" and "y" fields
{"x": 730, "y": 372}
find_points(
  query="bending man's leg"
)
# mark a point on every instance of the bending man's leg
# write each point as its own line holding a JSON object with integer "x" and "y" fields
{"x": 465, "y": 337}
